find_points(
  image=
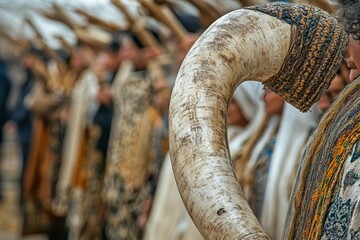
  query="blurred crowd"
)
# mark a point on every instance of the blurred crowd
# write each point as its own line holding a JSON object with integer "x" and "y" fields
{"x": 91, "y": 121}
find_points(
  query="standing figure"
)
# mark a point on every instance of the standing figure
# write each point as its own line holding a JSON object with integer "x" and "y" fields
{"x": 132, "y": 164}
{"x": 5, "y": 86}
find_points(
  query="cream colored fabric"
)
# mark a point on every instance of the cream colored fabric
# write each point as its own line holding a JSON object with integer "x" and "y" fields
{"x": 248, "y": 96}
{"x": 294, "y": 131}
{"x": 168, "y": 207}
{"x": 75, "y": 129}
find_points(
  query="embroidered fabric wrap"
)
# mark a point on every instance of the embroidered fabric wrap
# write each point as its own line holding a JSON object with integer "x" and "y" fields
{"x": 321, "y": 168}
{"x": 317, "y": 48}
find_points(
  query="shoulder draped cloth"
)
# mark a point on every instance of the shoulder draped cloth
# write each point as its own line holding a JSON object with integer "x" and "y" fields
{"x": 321, "y": 168}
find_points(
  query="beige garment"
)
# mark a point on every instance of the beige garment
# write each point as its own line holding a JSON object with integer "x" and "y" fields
{"x": 43, "y": 103}
{"x": 186, "y": 229}
{"x": 294, "y": 131}
{"x": 167, "y": 200}
{"x": 131, "y": 160}
{"x": 72, "y": 142}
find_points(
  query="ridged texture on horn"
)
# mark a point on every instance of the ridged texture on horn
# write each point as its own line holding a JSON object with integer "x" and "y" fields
{"x": 244, "y": 44}
{"x": 234, "y": 48}
{"x": 313, "y": 59}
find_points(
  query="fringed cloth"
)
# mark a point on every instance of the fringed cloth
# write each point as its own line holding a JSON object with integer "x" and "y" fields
{"x": 316, "y": 49}
{"x": 319, "y": 175}
{"x": 131, "y": 163}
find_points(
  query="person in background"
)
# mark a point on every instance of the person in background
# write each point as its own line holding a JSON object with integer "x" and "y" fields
{"x": 20, "y": 119}
{"x": 254, "y": 164}
{"x": 5, "y": 86}
{"x": 135, "y": 148}
{"x": 336, "y": 86}
{"x": 294, "y": 131}
{"x": 104, "y": 114}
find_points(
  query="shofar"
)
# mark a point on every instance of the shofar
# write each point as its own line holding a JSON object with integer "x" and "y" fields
{"x": 294, "y": 50}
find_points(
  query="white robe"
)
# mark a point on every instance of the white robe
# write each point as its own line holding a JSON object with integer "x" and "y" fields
{"x": 295, "y": 129}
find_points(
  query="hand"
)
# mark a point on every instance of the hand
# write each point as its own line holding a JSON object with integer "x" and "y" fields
{"x": 142, "y": 220}
{"x": 144, "y": 215}
{"x": 64, "y": 115}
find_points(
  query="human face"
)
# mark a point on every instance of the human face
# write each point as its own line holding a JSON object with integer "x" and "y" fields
{"x": 336, "y": 86}
{"x": 77, "y": 60}
{"x": 235, "y": 115}
{"x": 352, "y": 58}
{"x": 130, "y": 51}
{"x": 274, "y": 104}
{"x": 110, "y": 61}
{"x": 29, "y": 61}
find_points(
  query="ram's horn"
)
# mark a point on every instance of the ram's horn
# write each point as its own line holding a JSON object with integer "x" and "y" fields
{"x": 294, "y": 50}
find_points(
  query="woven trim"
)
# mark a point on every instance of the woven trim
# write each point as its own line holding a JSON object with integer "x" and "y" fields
{"x": 317, "y": 48}
{"x": 322, "y": 195}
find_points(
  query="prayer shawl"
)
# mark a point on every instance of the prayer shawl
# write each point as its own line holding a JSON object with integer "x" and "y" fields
{"x": 294, "y": 131}
{"x": 248, "y": 162}
{"x": 131, "y": 163}
{"x": 82, "y": 166}
{"x": 168, "y": 210}
{"x": 254, "y": 172}
{"x": 86, "y": 213}
{"x": 324, "y": 203}
{"x": 73, "y": 137}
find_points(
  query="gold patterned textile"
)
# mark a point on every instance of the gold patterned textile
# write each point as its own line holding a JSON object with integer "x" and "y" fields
{"x": 317, "y": 48}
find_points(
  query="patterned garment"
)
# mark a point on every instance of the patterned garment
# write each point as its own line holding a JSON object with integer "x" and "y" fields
{"x": 133, "y": 159}
{"x": 343, "y": 217}
{"x": 261, "y": 174}
{"x": 56, "y": 145}
{"x": 86, "y": 209}
{"x": 125, "y": 200}
{"x": 123, "y": 213}
{"x": 327, "y": 185}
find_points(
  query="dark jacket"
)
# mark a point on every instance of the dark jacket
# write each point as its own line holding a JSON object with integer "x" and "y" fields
{"x": 5, "y": 87}
{"x": 20, "y": 114}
